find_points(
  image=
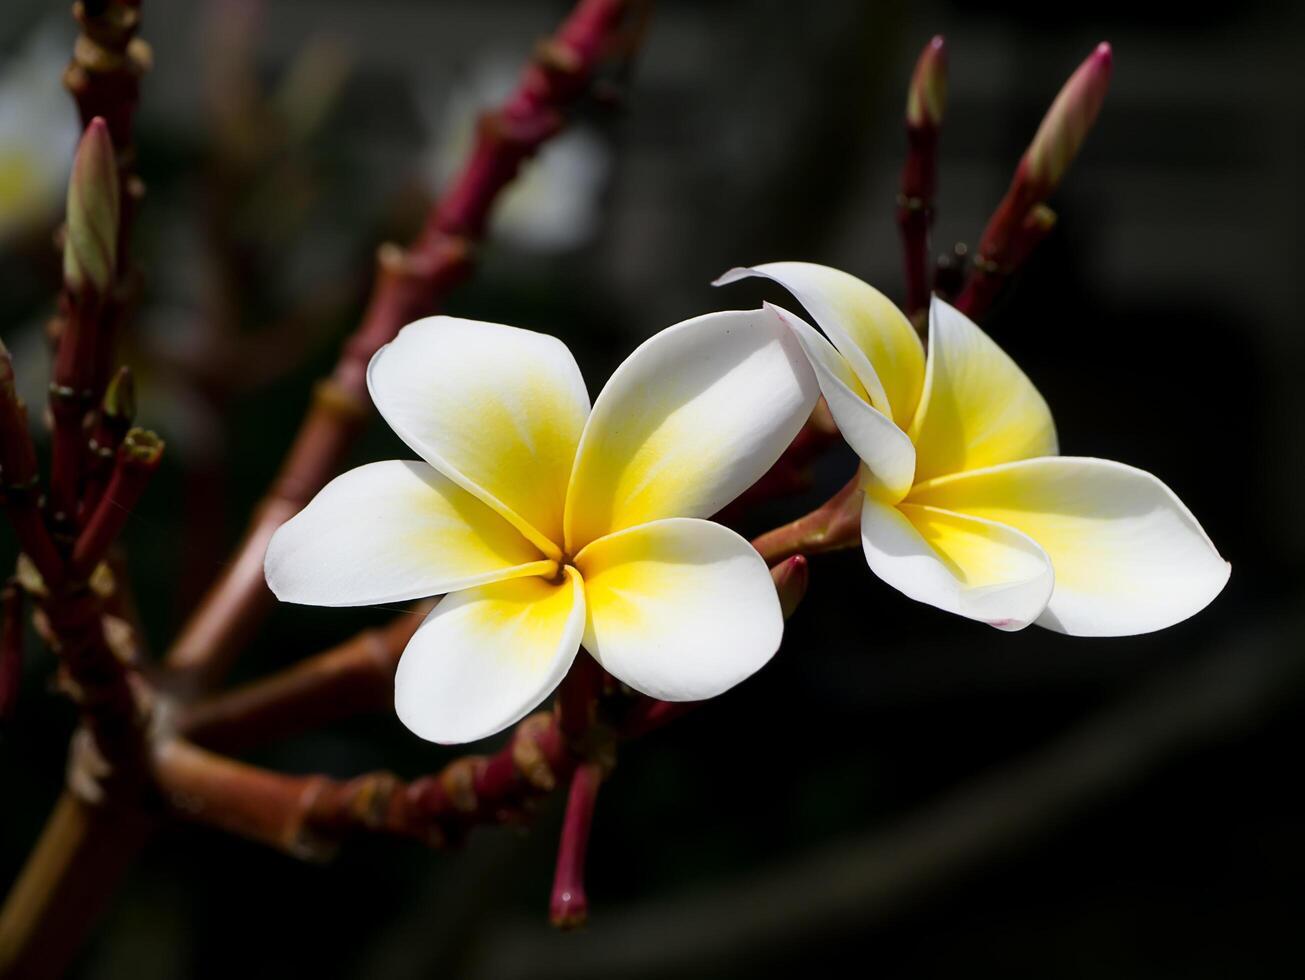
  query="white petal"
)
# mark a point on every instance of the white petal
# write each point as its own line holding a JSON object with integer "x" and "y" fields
{"x": 978, "y": 408}
{"x": 680, "y": 609}
{"x": 1129, "y": 557}
{"x": 496, "y": 409}
{"x": 883, "y": 447}
{"x": 978, "y": 569}
{"x": 486, "y": 657}
{"x": 865, "y": 325}
{"x": 691, "y": 419}
{"x": 391, "y": 531}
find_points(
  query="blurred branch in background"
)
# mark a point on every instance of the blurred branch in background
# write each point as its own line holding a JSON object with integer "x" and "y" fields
{"x": 409, "y": 283}
{"x": 863, "y": 881}
{"x": 126, "y": 749}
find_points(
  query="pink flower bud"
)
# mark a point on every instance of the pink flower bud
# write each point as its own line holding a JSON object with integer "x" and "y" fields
{"x": 791, "y": 578}
{"x": 1068, "y": 121}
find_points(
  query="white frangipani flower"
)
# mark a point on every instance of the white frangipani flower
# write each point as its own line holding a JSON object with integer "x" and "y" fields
{"x": 552, "y": 524}
{"x": 967, "y": 506}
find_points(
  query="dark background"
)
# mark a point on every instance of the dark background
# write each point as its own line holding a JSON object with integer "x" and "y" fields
{"x": 899, "y": 792}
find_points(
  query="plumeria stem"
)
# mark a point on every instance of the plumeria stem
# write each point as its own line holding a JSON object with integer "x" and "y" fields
{"x": 138, "y": 458}
{"x": 308, "y": 816}
{"x": 988, "y": 278}
{"x": 568, "y": 906}
{"x": 408, "y": 284}
{"x": 353, "y": 678}
{"x": 1016, "y": 227}
{"x": 833, "y": 525}
{"x": 919, "y": 180}
{"x": 19, "y": 489}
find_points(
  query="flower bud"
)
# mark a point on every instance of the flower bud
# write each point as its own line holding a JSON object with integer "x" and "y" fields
{"x": 120, "y": 396}
{"x": 91, "y": 242}
{"x": 927, "y": 96}
{"x": 1067, "y": 122}
{"x": 791, "y": 579}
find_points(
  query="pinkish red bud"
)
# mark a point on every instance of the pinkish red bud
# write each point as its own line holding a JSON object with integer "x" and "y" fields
{"x": 927, "y": 97}
{"x": 1067, "y": 122}
{"x": 791, "y": 579}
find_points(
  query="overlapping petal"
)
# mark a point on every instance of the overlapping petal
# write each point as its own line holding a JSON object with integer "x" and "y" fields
{"x": 691, "y": 419}
{"x": 1129, "y": 556}
{"x": 391, "y": 531}
{"x": 679, "y": 609}
{"x": 975, "y": 568}
{"x": 485, "y": 657}
{"x": 882, "y": 446}
{"x": 865, "y": 325}
{"x": 978, "y": 408}
{"x": 496, "y": 409}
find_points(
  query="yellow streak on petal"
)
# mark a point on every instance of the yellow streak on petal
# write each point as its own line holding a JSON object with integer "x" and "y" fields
{"x": 977, "y": 554}
{"x": 525, "y": 616}
{"x": 978, "y": 408}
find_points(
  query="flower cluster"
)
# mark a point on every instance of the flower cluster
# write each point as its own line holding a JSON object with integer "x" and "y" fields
{"x": 547, "y": 524}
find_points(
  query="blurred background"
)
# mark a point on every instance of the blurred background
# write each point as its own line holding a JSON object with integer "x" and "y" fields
{"x": 899, "y": 791}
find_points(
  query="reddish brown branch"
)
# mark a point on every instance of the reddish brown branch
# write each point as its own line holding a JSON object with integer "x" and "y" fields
{"x": 989, "y": 277}
{"x": 1015, "y": 228}
{"x": 919, "y": 181}
{"x": 309, "y": 815}
{"x": 18, "y": 479}
{"x": 833, "y": 525}
{"x": 138, "y": 458}
{"x": 568, "y": 906}
{"x": 112, "y": 424}
{"x": 408, "y": 284}
{"x": 353, "y": 678}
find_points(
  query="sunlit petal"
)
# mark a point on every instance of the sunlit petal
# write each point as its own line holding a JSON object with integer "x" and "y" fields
{"x": 978, "y": 408}
{"x": 864, "y": 324}
{"x": 680, "y": 609}
{"x": 485, "y": 657}
{"x": 978, "y": 569}
{"x": 497, "y": 409}
{"x": 883, "y": 447}
{"x": 391, "y": 531}
{"x": 691, "y": 419}
{"x": 1129, "y": 557}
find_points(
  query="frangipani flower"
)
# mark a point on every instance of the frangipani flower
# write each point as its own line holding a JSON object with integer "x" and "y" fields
{"x": 551, "y": 524}
{"x": 967, "y": 507}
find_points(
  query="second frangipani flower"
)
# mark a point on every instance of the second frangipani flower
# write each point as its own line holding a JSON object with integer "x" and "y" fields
{"x": 551, "y": 524}
{"x": 967, "y": 505}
